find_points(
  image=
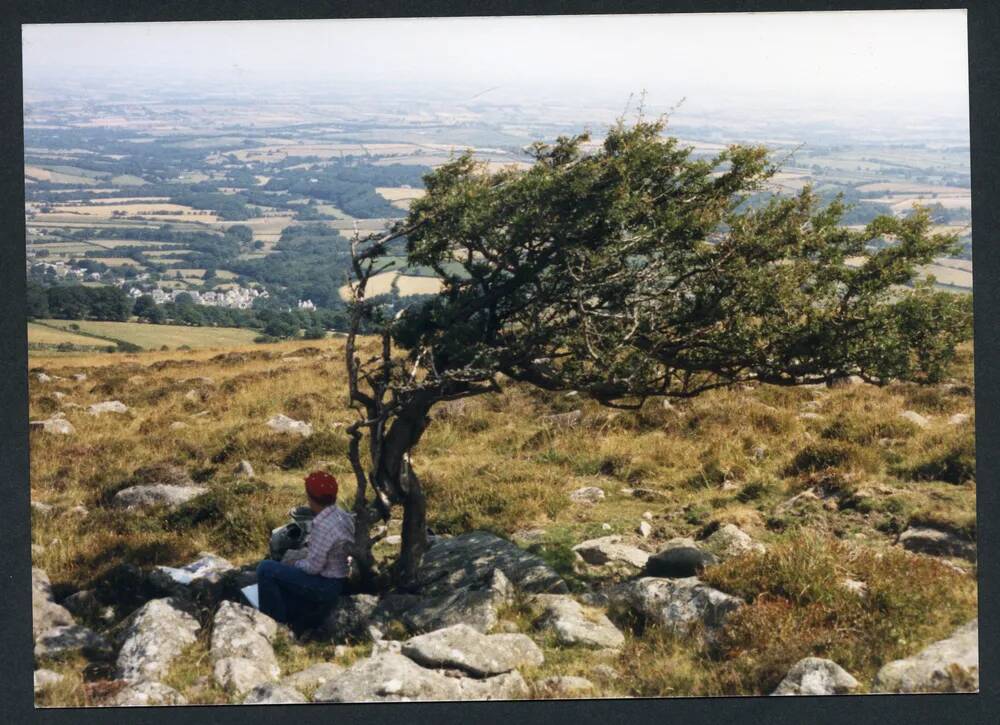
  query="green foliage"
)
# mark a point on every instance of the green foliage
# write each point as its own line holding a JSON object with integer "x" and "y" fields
{"x": 638, "y": 270}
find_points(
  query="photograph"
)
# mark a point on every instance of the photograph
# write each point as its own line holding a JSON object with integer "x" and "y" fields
{"x": 500, "y": 358}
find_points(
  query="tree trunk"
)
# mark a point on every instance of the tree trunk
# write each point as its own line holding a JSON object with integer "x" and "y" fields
{"x": 414, "y": 534}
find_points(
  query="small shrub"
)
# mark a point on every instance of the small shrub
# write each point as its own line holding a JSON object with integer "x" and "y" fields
{"x": 318, "y": 444}
{"x": 831, "y": 454}
{"x": 952, "y": 460}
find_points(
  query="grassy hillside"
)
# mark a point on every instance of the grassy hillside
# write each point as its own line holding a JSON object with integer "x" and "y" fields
{"x": 730, "y": 456}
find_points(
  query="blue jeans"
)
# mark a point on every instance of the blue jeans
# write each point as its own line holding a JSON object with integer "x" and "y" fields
{"x": 287, "y": 593}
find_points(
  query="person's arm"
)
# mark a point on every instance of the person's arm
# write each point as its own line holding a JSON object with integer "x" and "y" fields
{"x": 320, "y": 540}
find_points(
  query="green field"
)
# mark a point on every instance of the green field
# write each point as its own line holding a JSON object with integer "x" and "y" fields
{"x": 152, "y": 337}
{"x": 42, "y": 335}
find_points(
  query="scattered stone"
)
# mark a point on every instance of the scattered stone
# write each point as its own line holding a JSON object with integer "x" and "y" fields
{"x": 604, "y": 672}
{"x": 464, "y": 648}
{"x": 951, "y": 665}
{"x": 587, "y": 494}
{"x": 146, "y": 693}
{"x": 475, "y": 605}
{"x": 681, "y": 557}
{"x": 606, "y": 527}
{"x": 915, "y": 418}
{"x": 46, "y": 678}
{"x": 854, "y": 586}
{"x": 611, "y": 550}
{"x": 157, "y": 494}
{"x": 645, "y": 529}
{"x": 809, "y": 415}
{"x": 37, "y": 550}
{"x": 43, "y": 378}
{"x": 178, "y": 425}
{"x": 759, "y": 453}
{"x": 79, "y": 377}
{"x": 56, "y": 426}
{"x": 470, "y": 559}
{"x": 564, "y": 420}
{"x": 153, "y": 638}
{"x": 239, "y": 675}
{"x": 272, "y": 694}
{"x": 78, "y": 510}
{"x": 648, "y": 515}
{"x": 109, "y": 406}
{"x": 245, "y": 469}
{"x": 240, "y": 631}
{"x": 81, "y": 603}
{"x": 194, "y": 396}
{"x": 203, "y": 576}
{"x": 935, "y": 542}
{"x": 645, "y": 494}
{"x": 283, "y": 424}
{"x": 566, "y": 618}
{"x": 959, "y": 419}
{"x": 58, "y": 395}
{"x": 673, "y": 603}
{"x": 816, "y": 676}
{"x": 45, "y": 613}
{"x": 70, "y": 638}
{"x": 39, "y": 507}
{"x": 565, "y": 686}
{"x": 730, "y": 540}
{"x": 391, "y": 677}
{"x": 312, "y": 677}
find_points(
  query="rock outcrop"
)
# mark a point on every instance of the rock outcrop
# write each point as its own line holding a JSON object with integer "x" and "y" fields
{"x": 816, "y": 676}
{"x": 565, "y": 617}
{"x": 951, "y": 665}
{"x": 272, "y": 694}
{"x": 45, "y": 613}
{"x": 283, "y": 424}
{"x": 156, "y": 494}
{"x": 464, "y": 648}
{"x": 935, "y": 542}
{"x": 146, "y": 693}
{"x": 609, "y": 550}
{"x": 153, "y": 638}
{"x": 475, "y": 605}
{"x": 673, "y": 603}
{"x": 241, "y": 648}
{"x": 680, "y": 558}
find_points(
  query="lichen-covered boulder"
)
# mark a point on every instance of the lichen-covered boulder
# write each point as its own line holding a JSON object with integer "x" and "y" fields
{"x": 272, "y": 694}
{"x": 567, "y": 618}
{"x": 816, "y": 676}
{"x": 239, "y": 631}
{"x": 675, "y": 604}
{"x": 146, "y": 693}
{"x": 464, "y": 648}
{"x": 950, "y": 665}
{"x": 153, "y": 638}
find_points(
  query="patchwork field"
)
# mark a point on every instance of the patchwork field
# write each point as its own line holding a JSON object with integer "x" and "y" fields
{"x": 152, "y": 337}
{"x": 44, "y": 335}
{"x": 381, "y": 284}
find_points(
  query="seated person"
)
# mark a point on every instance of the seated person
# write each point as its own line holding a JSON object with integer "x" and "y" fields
{"x": 301, "y": 592}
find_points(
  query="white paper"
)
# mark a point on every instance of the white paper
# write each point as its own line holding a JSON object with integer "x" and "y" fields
{"x": 250, "y": 593}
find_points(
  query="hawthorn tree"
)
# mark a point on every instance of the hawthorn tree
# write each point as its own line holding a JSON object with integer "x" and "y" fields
{"x": 626, "y": 271}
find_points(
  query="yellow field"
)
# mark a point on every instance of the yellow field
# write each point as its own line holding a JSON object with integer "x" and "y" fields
{"x": 41, "y": 335}
{"x": 381, "y": 284}
{"x": 950, "y": 275}
{"x": 133, "y": 200}
{"x": 57, "y": 177}
{"x": 152, "y": 337}
{"x": 105, "y": 211}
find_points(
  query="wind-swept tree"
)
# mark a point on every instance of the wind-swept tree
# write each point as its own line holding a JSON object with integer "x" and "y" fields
{"x": 627, "y": 271}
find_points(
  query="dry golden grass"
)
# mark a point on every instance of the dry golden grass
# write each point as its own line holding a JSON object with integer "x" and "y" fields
{"x": 729, "y": 456}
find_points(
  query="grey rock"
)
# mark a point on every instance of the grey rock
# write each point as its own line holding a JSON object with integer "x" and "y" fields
{"x": 816, "y": 676}
{"x": 81, "y": 603}
{"x": 392, "y": 677}
{"x": 146, "y": 693}
{"x": 312, "y": 677}
{"x": 959, "y": 419}
{"x": 57, "y": 426}
{"x": 730, "y": 540}
{"x": 272, "y": 694}
{"x": 475, "y": 605}
{"x": 195, "y": 396}
{"x": 71, "y": 638}
{"x": 79, "y": 377}
{"x": 39, "y": 507}
{"x": 673, "y": 603}
{"x": 43, "y": 378}
{"x": 156, "y": 494}
{"x": 915, "y": 418}
{"x": 45, "y": 613}
{"x": 239, "y": 631}
{"x": 470, "y": 559}
{"x": 564, "y": 420}
{"x": 644, "y": 529}
{"x": 854, "y": 586}
{"x": 604, "y": 672}
{"x": 565, "y": 686}
{"x": 681, "y": 557}
{"x": 153, "y": 638}
{"x": 349, "y": 618}
{"x": 108, "y": 406}
{"x": 464, "y": 648}
{"x": 566, "y": 618}
{"x": 935, "y": 542}
{"x": 178, "y": 425}
{"x": 587, "y": 494}
{"x": 611, "y": 550}
{"x": 283, "y": 424}
{"x": 245, "y": 469}
{"x": 37, "y": 550}
{"x": 240, "y": 675}
{"x": 950, "y": 665}
{"x": 46, "y": 678}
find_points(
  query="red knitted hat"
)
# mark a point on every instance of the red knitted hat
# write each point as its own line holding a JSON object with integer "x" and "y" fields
{"x": 320, "y": 484}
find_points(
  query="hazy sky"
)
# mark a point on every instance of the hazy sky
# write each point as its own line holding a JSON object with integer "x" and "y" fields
{"x": 909, "y": 58}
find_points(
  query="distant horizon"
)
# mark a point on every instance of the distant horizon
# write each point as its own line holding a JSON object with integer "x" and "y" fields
{"x": 875, "y": 63}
